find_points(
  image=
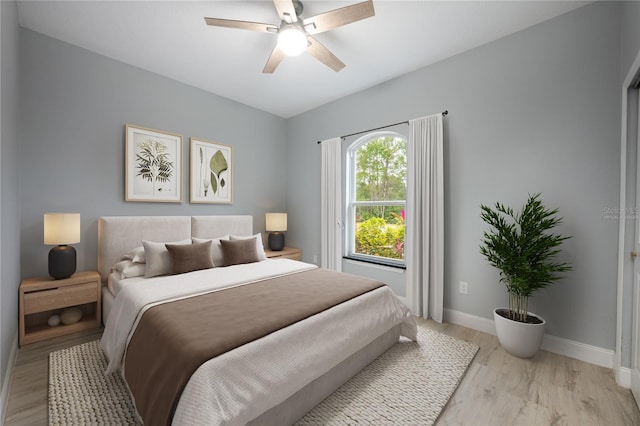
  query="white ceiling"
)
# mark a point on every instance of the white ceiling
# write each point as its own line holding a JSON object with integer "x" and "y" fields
{"x": 170, "y": 38}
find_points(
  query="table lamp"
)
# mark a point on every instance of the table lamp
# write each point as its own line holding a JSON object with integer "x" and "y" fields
{"x": 62, "y": 229}
{"x": 276, "y": 224}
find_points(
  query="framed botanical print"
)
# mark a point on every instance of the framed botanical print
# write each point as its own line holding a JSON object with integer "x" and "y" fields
{"x": 211, "y": 174}
{"x": 153, "y": 165}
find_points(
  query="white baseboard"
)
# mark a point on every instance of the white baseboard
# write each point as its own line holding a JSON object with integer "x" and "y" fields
{"x": 6, "y": 380}
{"x": 623, "y": 378}
{"x": 559, "y": 345}
{"x": 470, "y": 321}
{"x": 577, "y": 350}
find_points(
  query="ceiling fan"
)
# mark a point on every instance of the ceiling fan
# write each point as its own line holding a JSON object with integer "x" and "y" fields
{"x": 295, "y": 34}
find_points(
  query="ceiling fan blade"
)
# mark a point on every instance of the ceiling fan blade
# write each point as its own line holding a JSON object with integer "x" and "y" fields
{"x": 274, "y": 60}
{"x": 339, "y": 17}
{"x": 321, "y": 53}
{"x": 286, "y": 10}
{"x": 241, "y": 25}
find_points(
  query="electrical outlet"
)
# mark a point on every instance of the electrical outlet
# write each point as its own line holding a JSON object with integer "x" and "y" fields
{"x": 315, "y": 259}
{"x": 464, "y": 287}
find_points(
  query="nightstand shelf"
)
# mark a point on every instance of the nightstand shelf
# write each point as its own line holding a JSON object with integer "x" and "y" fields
{"x": 40, "y": 298}
{"x": 41, "y": 331}
{"x": 285, "y": 253}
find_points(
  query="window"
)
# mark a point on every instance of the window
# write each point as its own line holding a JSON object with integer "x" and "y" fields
{"x": 376, "y": 194}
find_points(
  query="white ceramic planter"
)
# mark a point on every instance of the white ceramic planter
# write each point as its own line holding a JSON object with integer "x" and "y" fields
{"x": 518, "y": 338}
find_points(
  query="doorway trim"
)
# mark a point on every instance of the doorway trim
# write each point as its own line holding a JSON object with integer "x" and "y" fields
{"x": 623, "y": 374}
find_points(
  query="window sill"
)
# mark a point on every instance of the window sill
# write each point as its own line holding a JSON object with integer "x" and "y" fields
{"x": 376, "y": 264}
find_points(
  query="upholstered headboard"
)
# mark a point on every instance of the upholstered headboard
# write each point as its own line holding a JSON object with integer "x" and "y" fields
{"x": 117, "y": 235}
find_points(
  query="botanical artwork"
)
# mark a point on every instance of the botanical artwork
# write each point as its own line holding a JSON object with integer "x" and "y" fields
{"x": 211, "y": 172}
{"x": 153, "y": 165}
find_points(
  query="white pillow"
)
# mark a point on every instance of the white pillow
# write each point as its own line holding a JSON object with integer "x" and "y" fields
{"x": 136, "y": 255}
{"x": 129, "y": 269}
{"x": 259, "y": 246}
{"x": 158, "y": 258}
{"x": 216, "y": 248}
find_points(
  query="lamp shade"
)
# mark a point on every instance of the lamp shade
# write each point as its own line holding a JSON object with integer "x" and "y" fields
{"x": 61, "y": 228}
{"x": 276, "y": 222}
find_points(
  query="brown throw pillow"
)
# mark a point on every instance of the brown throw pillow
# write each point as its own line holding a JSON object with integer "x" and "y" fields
{"x": 190, "y": 257}
{"x": 236, "y": 252}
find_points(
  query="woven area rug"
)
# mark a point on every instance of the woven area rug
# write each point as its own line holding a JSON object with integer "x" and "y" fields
{"x": 409, "y": 384}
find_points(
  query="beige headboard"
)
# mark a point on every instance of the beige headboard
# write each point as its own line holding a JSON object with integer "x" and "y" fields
{"x": 117, "y": 235}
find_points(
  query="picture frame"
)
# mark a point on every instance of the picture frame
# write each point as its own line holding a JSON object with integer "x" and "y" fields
{"x": 153, "y": 165}
{"x": 211, "y": 172}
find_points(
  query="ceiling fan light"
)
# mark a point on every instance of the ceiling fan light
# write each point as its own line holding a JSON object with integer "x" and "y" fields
{"x": 292, "y": 41}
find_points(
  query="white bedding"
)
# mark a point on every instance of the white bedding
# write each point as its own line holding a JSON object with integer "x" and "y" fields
{"x": 115, "y": 283}
{"x": 132, "y": 300}
{"x": 239, "y": 385}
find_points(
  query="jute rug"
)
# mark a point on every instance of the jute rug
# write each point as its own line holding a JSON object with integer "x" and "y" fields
{"x": 409, "y": 384}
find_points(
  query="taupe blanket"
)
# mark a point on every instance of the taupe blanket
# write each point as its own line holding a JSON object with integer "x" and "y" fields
{"x": 173, "y": 339}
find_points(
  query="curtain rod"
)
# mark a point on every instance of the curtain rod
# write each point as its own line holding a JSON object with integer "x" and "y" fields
{"x": 444, "y": 114}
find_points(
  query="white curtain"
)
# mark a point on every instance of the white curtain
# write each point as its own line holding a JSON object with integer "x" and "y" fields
{"x": 424, "y": 238}
{"x": 331, "y": 205}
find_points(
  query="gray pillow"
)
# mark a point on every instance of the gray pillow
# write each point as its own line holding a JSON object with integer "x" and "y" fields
{"x": 236, "y": 252}
{"x": 157, "y": 257}
{"x": 190, "y": 257}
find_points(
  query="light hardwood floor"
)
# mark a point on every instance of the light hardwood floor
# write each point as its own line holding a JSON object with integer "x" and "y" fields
{"x": 498, "y": 389}
{"x": 28, "y": 395}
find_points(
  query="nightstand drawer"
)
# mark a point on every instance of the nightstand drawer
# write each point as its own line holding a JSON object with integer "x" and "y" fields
{"x": 47, "y": 300}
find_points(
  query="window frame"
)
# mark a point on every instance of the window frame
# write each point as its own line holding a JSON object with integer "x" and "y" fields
{"x": 351, "y": 203}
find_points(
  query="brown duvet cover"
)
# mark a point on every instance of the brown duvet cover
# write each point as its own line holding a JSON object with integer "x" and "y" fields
{"x": 173, "y": 339}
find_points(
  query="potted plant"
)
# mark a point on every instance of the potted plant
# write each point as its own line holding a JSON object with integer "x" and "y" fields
{"x": 522, "y": 247}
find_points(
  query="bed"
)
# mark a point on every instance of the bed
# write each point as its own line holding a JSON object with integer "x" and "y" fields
{"x": 274, "y": 378}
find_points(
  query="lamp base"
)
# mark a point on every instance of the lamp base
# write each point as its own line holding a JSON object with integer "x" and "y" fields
{"x": 62, "y": 262}
{"x": 276, "y": 241}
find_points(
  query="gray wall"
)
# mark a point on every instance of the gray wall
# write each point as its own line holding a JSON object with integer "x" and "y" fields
{"x": 630, "y": 35}
{"x": 75, "y": 104}
{"x": 9, "y": 200}
{"x": 537, "y": 111}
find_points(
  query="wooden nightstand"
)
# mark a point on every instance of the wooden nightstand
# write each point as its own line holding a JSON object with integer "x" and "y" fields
{"x": 285, "y": 253}
{"x": 41, "y": 298}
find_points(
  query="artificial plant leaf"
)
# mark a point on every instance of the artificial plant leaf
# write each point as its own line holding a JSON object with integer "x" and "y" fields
{"x": 222, "y": 183}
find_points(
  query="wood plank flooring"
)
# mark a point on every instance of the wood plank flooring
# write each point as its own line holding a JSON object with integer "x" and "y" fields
{"x": 498, "y": 389}
{"x": 549, "y": 389}
{"x": 28, "y": 395}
